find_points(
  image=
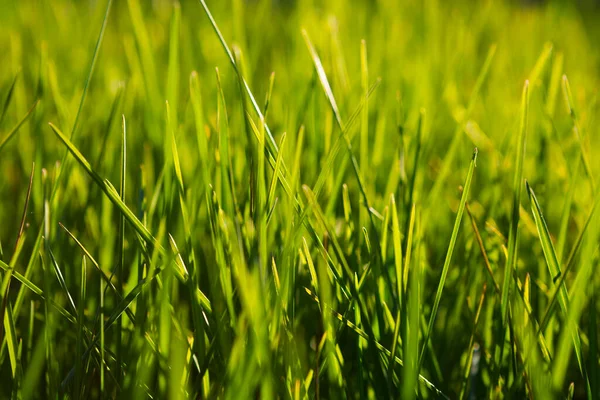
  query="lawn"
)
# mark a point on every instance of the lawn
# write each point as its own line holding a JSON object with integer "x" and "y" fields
{"x": 299, "y": 199}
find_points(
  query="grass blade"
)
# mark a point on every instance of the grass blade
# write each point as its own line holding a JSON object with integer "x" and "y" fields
{"x": 109, "y": 190}
{"x": 511, "y": 262}
{"x": 448, "y": 259}
{"x": 15, "y": 129}
{"x": 555, "y": 271}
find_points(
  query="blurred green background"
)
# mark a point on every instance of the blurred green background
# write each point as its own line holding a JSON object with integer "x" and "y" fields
{"x": 427, "y": 56}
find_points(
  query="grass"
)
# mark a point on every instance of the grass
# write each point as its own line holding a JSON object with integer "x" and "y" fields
{"x": 266, "y": 199}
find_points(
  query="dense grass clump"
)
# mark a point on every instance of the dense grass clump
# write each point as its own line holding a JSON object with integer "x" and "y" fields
{"x": 299, "y": 199}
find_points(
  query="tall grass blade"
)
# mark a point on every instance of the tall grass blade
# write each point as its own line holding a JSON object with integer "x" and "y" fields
{"x": 511, "y": 262}
{"x": 448, "y": 260}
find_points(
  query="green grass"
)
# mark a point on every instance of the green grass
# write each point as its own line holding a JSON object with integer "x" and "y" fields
{"x": 299, "y": 199}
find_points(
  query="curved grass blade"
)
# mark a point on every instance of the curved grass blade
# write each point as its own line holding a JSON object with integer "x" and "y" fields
{"x": 555, "y": 271}
{"x": 569, "y": 265}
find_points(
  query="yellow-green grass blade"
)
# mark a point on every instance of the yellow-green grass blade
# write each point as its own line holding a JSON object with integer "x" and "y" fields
{"x": 103, "y": 274}
{"x": 447, "y": 164}
{"x": 555, "y": 272}
{"x": 414, "y": 291}
{"x": 16, "y": 128}
{"x": 147, "y": 60}
{"x": 378, "y": 345}
{"x": 4, "y": 288}
{"x": 269, "y": 95}
{"x": 569, "y": 264}
{"x": 81, "y": 303}
{"x": 120, "y": 268}
{"x": 61, "y": 279}
{"x": 109, "y": 190}
{"x": 273, "y": 184}
{"x": 88, "y": 78}
{"x": 11, "y": 341}
{"x": 448, "y": 260}
{"x": 511, "y": 261}
{"x": 577, "y": 302}
{"x": 472, "y": 344}
{"x": 9, "y": 96}
{"x": 397, "y": 245}
{"x": 581, "y": 138}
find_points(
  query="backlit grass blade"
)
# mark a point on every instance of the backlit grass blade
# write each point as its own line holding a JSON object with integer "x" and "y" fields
{"x": 91, "y": 69}
{"x": 569, "y": 264}
{"x": 81, "y": 303}
{"x": 145, "y": 49}
{"x": 108, "y": 189}
{"x": 455, "y": 141}
{"x": 5, "y": 286}
{"x": 271, "y": 145}
{"x": 355, "y": 165}
{"x": 273, "y": 184}
{"x": 472, "y": 344}
{"x": 172, "y": 91}
{"x": 593, "y": 350}
{"x": 15, "y": 129}
{"x": 18, "y": 276}
{"x": 196, "y": 102}
{"x": 8, "y": 98}
{"x": 448, "y": 260}
{"x": 364, "y": 121}
{"x": 414, "y": 291}
{"x": 399, "y": 275}
{"x": 378, "y": 345}
{"x": 578, "y": 300}
{"x": 581, "y": 138}
{"x": 103, "y": 274}
{"x": 540, "y": 64}
{"x": 555, "y": 271}
{"x": 547, "y": 244}
{"x": 11, "y": 341}
{"x": 269, "y": 95}
{"x": 121, "y": 251}
{"x": 36, "y": 290}
{"x": 61, "y": 279}
{"x": 511, "y": 262}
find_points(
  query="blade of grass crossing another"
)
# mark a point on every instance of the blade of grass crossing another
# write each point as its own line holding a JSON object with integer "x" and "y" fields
{"x": 109, "y": 190}
{"x": 11, "y": 340}
{"x": 555, "y": 271}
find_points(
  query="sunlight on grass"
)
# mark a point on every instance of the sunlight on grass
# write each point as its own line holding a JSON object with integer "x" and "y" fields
{"x": 299, "y": 199}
